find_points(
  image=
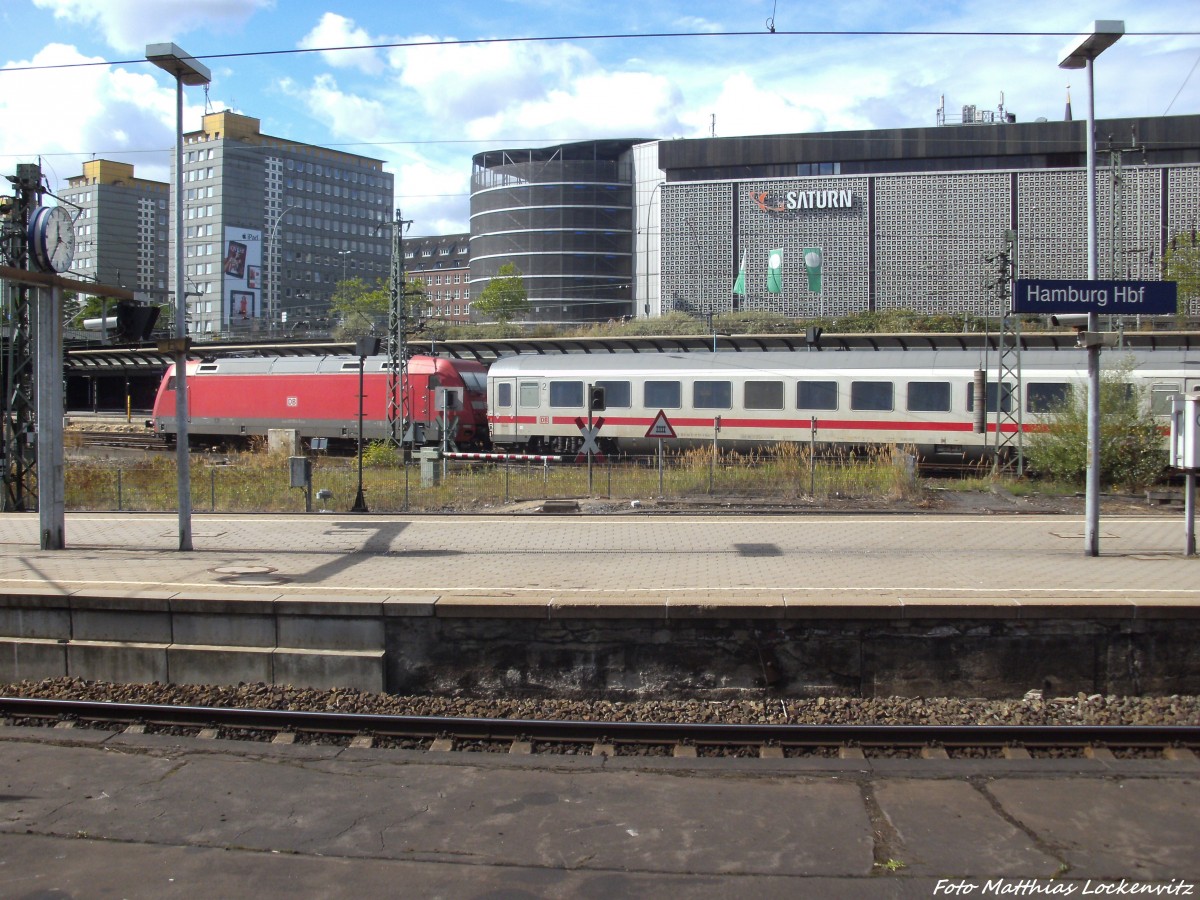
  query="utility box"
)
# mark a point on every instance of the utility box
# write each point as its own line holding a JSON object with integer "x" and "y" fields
{"x": 431, "y": 471}
{"x": 1185, "y": 431}
{"x": 300, "y": 468}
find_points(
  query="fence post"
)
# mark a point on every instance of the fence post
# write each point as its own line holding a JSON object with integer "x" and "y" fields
{"x": 507, "y": 461}
{"x": 212, "y": 488}
{"x": 118, "y": 489}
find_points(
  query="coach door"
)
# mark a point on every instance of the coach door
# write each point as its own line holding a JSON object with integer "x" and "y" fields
{"x": 502, "y": 409}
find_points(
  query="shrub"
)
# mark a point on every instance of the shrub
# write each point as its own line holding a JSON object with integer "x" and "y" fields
{"x": 1132, "y": 453}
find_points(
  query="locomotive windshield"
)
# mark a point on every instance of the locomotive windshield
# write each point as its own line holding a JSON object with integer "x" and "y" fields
{"x": 475, "y": 381}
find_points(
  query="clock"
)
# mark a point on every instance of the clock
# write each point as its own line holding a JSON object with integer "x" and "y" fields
{"x": 52, "y": 238}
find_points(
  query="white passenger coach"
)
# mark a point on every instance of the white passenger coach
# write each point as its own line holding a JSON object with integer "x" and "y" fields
{"x": 922, "y": 398}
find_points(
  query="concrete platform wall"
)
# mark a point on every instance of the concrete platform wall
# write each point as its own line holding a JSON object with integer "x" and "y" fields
{"x": 422, "y": 645}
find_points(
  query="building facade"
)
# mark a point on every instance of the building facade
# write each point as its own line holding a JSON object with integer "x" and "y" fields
{"x": 911, "y": 218}
{"x": 122, "y": 225}
{"x": 271, "y": 225}
{"x": 443, "y": 264}
{"x": 563, "y": 215}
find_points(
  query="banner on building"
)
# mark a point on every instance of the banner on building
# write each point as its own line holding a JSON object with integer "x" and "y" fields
{"x": 241, "y": 271}
{"x": 775, "y": 272}
{"x": 739, "y": 283}
{"x": 814, "y": 259}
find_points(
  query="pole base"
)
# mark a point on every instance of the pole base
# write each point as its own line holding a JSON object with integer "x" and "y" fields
{"x": 360, "y": 503}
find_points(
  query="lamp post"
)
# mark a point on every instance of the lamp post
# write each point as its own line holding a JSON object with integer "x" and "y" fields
{"x": 185, "y": 70}
{"x": 1080, "y": 54}
{"x": 272, "y": 252}
{"x": 649, "y": 209}
{"x": 345, "y": 255}
{"x": 363, "y": 347}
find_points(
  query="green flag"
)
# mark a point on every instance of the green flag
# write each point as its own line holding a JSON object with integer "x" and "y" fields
{"x": 814, "y": 259}
{"x": 739, "y": 284}
{"x": 775, "y": 272}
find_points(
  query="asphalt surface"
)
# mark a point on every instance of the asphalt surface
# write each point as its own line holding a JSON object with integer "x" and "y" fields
{"x": 94, "y": 814}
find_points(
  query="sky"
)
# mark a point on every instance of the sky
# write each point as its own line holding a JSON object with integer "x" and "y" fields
{"x": 433, "y": 83}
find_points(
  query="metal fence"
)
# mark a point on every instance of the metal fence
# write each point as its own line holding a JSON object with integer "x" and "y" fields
{"x": 256, "y": 484}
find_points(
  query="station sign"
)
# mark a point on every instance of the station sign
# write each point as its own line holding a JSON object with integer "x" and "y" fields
{"x": 1110, "y": 298}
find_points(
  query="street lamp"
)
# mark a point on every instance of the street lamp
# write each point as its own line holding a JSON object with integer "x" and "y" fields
{"x": 185, "y": 70}
{"x": 273, "y": 275}
{"x": 345, "y": 255}
{"x": 646, "y": 233}
{"x": 1080, "y": 54}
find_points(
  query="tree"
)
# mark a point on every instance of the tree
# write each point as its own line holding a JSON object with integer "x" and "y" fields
{"x": 504, "y": 297}
{"x": 1132, "y": 451}
{"x": 363, "y": 309}
{"x": 1181, "y": 264}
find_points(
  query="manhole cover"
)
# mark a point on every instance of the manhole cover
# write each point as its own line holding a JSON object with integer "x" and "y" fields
{"x": 243, "y": 570}
{"x": 255, "y": 580}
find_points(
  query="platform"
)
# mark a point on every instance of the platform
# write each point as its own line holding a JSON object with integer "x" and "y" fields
{"x": 814, "y": 602}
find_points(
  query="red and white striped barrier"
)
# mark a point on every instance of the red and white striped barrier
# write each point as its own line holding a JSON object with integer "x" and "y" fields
{"x": 517, "y": 456}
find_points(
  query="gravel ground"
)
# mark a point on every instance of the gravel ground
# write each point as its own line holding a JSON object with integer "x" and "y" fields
{"x": 1032, "y": 709}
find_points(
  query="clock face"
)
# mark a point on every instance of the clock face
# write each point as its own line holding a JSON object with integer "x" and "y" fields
{"x": 52, "y": 238}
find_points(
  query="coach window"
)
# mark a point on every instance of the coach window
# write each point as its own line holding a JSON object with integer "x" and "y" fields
{"x": 566, "y": 394}
{"x": 764, "y": 395}
{"x": 992, "y": 392}
{"x": 1041, "y": 397}
{"x": 929, "y": 396}
{"x": 529, "y": 395}
{"x": 617, "y": 394}
{"x": 711, "y": 394}
{"x": 872, "y": 395}
{"x": 504, "y": 394}
{"x": 662, "y": 394}
{"x": 816, "y": 395}
{"x": 1160, "y": 397}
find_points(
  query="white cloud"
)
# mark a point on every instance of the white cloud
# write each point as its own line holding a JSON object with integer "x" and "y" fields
{"x": 459, "y": 83}
{"x": 600, "y": 104}
{"x": 128, "y": 25}
{"x": 338, "y": 31}
{"x": 115, "y": 113}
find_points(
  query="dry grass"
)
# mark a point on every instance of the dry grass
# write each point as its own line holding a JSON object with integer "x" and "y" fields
{"x": 258, "y": 482}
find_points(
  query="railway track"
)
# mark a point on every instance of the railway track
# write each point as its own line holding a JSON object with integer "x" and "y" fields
{"x": 122, "y": 439}
{"x": 616, "y": 738}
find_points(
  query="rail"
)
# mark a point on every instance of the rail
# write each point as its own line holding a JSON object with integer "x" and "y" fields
{"x": 608, "y": 732}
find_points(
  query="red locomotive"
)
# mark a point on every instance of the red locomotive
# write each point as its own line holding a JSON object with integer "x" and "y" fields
{"x": 318, "y": 397}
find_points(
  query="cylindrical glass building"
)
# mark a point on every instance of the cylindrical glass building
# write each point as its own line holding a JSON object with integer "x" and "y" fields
{"x": 563, "y": 216}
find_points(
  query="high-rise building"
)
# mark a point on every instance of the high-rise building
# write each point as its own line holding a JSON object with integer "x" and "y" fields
{"x": 121, "y": 228}
{"x": 271, "y": 225}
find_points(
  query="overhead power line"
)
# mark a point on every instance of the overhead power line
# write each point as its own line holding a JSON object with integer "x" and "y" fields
{"x": 662, "y": 35}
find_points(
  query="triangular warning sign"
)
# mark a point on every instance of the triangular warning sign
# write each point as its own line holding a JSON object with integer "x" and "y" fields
{"x": 660, "y": 428}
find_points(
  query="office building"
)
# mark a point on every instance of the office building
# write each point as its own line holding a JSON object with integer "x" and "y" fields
{"x": 271, "y": 225}
{"x": 122, "y": 224}
{"x": 443, "y": 265}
